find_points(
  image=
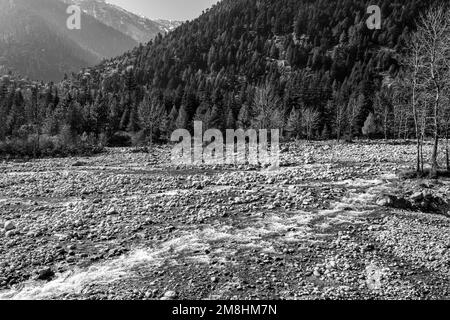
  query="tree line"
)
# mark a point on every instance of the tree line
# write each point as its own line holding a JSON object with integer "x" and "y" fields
{"x": 310, "y": 68}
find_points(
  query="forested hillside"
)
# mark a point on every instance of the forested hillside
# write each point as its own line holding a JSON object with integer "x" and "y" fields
{"x": 309, "y": 55}
{"x": 312, "y": 68}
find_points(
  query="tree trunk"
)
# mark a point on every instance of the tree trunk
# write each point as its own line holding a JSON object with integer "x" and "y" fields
{"x": 448, "y": 159}
{"x": 385, "y": 122}
{"x": 421, "y": 155}
{"x": 416, "y": 122}
{"x": 434, "y": 160}
{"x": 151, "y": 138}
{"x": 422, "y": 140}
{"x": 447, "y": 153}
{"x": 418, "y": 154}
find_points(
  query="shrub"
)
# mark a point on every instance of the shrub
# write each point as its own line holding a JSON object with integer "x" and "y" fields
{"x": 120, "y": 139}
{"x": 370, "y": 126}
{"x": 47, "y": 146}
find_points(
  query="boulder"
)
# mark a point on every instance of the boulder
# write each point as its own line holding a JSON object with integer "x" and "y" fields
{"x": 417, "y": 196}
{"x": 169, "y": 295}
{"x": 394, "y": 202}
{"x": 45, "y": 274}
{"x": 9, "y": 225}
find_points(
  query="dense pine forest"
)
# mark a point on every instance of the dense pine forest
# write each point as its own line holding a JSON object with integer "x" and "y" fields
{"x": 312, "y": 68}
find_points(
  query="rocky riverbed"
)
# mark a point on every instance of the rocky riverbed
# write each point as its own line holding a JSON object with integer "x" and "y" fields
{"x": 326, "y": 225}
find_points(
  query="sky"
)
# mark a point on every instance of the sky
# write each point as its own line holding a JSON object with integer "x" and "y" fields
{"x": 166, "y": 9}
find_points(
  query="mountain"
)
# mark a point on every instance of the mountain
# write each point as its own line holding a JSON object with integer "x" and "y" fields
{"x": 310, "y": 54}
{"x": 30, "y": 46}
{"x": 168, "y": 25}
{"x": 35, "y": 41}
{"x": 309, "y": 67}
{"x": 137, "y": 27}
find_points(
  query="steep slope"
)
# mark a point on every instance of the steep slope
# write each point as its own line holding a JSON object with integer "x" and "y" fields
{"x": 168, "y": 25}
{"x": 313, "y": 54}
{"x": 137, "y": 27}
{"x": 309, "y": 67}
{"x": 35, "y": 41}
{"x": 30, "y": 46}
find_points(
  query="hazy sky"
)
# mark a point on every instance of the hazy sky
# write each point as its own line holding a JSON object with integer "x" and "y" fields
{"x": 166, "y": 9}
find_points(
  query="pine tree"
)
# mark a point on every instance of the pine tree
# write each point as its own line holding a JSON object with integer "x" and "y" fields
{"x": 293, "y": 127}
{"x": 216, "y": 118}
{"x": 133, "y": 122}
{"x": 244, "y": 119}
{"x": 230, "y": 121}
{"x": 182, "y": 119}
{"x": 172, "y": 118}
{"x": 150, "y": 115}
{"x": 164, "y": 126}
{"x": 370, "y": 127}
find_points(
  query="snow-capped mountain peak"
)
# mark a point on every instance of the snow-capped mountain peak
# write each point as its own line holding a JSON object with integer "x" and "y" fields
{"x": 136, "y": 26}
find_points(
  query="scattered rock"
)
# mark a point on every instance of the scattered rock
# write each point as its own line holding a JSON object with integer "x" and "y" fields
{"x": 10, "y": 233}
{"x": 395, "y": 202}
{"x": 112, "y": 212}
{"x": 169, "y": 295}
{"x": 45, "y": 274}
{"x": 292, "y": 215}
{"x": 417, "y": 196}
{"x": 79, "y": 164}
{"x": 9, "y": 226}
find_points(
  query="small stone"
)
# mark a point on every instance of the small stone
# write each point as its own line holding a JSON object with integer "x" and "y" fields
{"x": 79, "y": 164}
{"x": 169, "y": 295}
{"x": 10, "y": 233}
{"x": 417, "y": 196}
{"x": 112, "y": 211}
{"x": 9, "y": 226}
{"x": 45, "y": 274}
{"x": 384, "y": 202}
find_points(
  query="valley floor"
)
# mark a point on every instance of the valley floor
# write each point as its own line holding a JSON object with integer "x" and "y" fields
{"x": 125, "y": 225}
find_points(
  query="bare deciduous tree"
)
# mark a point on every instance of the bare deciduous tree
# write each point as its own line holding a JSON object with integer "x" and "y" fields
{"x": 415, "y": 64}
{"x": 310, "y": 120}
{"x": 339, "y": 120}
{"x": 353, "y": 108}
{"x": 432, "y": 43}
{"x": 267, "y": 109}
{"x": 426, "y": 80}
{"x": 150, "y": 114}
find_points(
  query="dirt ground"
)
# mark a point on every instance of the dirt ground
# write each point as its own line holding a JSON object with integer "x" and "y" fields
{"x": 124, "y": 225}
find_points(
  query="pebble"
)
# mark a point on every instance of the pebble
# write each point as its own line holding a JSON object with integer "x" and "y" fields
{"x": 10, "y": 233}
{"x": 169, "y": 295}
{"x": 126, "y": 209}
{"x": 9, "y": 225}
{"x": 112, "y": 211}
{"x": 45, "y": 274}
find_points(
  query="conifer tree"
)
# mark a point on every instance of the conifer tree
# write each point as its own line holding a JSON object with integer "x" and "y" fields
{"x": 182, "y": 119}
